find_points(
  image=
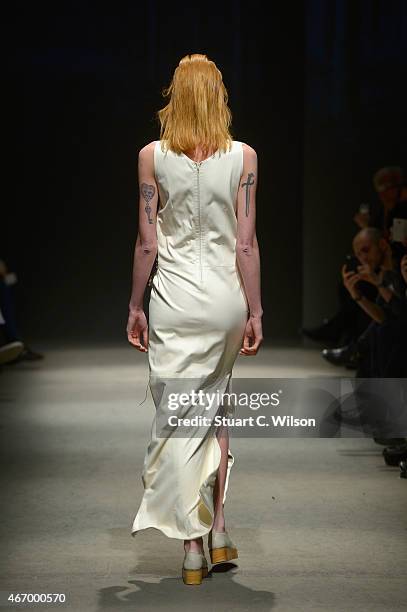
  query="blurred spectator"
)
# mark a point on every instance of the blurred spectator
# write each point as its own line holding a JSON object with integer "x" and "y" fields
{"x": 344, "y": 328}
{"x": 372, "y": 316}
{"x": 8, "y": 350}
{"x": 383, "y": 345}
{"x": 390, "y": 186}
{"x": 9, "y": 330}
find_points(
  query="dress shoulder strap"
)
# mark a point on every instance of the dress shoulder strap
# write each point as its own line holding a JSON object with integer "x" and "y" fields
{"x": 237, "y": 151}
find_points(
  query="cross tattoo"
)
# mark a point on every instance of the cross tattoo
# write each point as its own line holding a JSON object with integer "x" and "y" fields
{"x": 248, "y": 184}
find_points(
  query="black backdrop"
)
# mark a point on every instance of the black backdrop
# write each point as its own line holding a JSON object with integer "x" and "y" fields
{"x": 83, "y": 84}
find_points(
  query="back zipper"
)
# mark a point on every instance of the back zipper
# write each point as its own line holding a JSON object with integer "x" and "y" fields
{"x": 198, "y": 165}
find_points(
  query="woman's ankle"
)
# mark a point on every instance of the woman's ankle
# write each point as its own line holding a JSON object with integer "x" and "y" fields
{"x": 219, "y": 524}
{"x": 219, "y": 520}
{"x": 195, "y": 545}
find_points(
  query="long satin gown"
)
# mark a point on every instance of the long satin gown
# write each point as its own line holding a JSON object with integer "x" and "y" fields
{"x": 197, "y": 316}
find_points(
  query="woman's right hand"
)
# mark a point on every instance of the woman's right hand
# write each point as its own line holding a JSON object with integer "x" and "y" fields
{"x": 253, "y": 337}
{"x": 137, "y": 330}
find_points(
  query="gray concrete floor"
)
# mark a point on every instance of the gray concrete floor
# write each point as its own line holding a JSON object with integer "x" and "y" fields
{"x": 320, "y": 523}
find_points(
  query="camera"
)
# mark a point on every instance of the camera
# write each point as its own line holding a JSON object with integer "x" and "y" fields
{"x": 352, "y": 263}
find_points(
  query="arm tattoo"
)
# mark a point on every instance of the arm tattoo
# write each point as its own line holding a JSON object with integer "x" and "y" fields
{"x": 248, "y": 184}
{"x": 148, "y": 192}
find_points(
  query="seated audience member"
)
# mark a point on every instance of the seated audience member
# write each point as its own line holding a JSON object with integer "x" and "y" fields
{"x": 396, "y": 454}
{"x": 383, "y": 346}
{"x": 348, "y": 323}
{"x": 390, "y": 187}
{"x": 8, "y": 350}
{"x": 10, "y": 329}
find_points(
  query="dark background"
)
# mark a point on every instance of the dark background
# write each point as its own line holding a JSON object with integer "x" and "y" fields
{"x": 317, "y": 88}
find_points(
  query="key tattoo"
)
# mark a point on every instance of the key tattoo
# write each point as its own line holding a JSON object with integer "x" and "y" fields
{"x": 148, "y": 192}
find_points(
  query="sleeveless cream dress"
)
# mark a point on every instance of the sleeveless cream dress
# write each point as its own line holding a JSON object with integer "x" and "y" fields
{"x": 197, "y": 316}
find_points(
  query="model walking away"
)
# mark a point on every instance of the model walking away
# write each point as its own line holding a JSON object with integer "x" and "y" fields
{"x": 197, "y": 215}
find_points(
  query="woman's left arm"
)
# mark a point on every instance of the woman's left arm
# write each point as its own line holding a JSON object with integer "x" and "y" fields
{"x": 145, "y": 249}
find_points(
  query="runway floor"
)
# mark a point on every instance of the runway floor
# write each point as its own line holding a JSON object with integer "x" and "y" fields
{"x": 320, "y": 524}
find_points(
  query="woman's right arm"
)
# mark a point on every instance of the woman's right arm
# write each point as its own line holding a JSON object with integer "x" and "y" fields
{"x": 247, "y": 250}
{"x": 145, "y": 249}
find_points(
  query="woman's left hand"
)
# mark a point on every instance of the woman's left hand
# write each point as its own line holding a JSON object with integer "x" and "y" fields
{"x": 137, "y": 330}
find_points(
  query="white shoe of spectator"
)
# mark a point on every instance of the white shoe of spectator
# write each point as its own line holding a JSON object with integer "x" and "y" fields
{"x": 10, "y": 351}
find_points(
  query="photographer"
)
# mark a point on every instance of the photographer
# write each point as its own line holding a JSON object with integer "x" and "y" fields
{"x": 389, "y": 215}
{"x": 383, "y": 345}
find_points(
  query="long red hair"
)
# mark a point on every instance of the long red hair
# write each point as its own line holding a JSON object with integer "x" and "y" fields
{"x": 197, "y": 113}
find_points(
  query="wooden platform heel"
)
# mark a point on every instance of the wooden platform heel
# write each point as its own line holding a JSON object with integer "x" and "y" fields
{"x": 195, "y": 568}
{"x": 221, "y": 547}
